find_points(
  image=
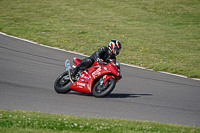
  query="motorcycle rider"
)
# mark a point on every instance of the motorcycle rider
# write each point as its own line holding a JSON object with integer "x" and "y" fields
{"x": 101, "y": 55}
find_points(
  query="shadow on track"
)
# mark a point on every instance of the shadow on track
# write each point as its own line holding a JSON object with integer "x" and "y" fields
{"x": 122, "y": 95}
{"x": 115, "y": 95}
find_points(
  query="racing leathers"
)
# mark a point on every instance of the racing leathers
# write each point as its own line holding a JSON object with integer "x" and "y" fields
{"x": 102, "y": 54}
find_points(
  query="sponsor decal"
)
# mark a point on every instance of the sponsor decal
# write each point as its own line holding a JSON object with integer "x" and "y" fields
{"x": 88, "y": 87}
{"x": 86, "y": 73}
{"x": 97, "y": 73}
{"x": 86, "y": 78}
{"x": 81, "y": 84}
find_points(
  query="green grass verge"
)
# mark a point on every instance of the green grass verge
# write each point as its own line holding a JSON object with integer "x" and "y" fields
{"x": 29, "y": 121}
{"x": 163, "y": 35}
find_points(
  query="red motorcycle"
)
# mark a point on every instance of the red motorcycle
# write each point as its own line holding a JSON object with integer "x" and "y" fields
{"x": 99, "y": 79}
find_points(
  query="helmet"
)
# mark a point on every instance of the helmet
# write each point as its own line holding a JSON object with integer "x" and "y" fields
{"x": 115, "y": 47}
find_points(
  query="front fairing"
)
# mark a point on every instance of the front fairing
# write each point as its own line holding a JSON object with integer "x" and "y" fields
{"x": 115, "y": 68}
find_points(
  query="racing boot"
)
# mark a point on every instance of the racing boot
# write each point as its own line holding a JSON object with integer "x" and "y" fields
{"x": 75, "y": 70}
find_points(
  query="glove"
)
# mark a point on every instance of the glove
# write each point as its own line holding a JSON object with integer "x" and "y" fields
{"x": 100, "y": 61}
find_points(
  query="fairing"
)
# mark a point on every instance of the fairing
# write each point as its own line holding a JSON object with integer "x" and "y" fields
{"x": 85, "y": 81}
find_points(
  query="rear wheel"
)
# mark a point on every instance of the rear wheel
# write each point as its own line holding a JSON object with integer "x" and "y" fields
{"x": 62, "y": 83}
{"x": 103, "y": 89}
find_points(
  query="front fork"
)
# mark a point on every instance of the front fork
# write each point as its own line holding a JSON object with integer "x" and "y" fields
{"x": 70, "y": 77}
{"x": 68, "y": 68}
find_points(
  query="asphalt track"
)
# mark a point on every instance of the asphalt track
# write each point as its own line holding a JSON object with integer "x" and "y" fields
{"x": 28, "y": 72}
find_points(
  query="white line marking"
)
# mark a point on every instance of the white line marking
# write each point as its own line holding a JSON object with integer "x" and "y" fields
{"x": 87, "y": 56}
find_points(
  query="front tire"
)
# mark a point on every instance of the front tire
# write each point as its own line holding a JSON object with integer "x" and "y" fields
{"x": 105, "y": 89}
{"x": 62, "y": 83}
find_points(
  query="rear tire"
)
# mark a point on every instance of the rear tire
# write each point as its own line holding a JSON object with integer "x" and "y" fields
{"x": 105, "y": 89}
{"x": 61, "y": 85}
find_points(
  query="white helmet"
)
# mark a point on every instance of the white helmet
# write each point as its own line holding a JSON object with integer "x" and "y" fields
{"x": 115, "y": 47}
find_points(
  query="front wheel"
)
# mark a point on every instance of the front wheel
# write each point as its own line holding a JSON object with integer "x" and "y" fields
{"x": 102, "y": 90}
{"x": 62, "y": 83}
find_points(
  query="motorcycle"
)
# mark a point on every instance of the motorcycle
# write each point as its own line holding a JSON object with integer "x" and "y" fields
{"x": 100, "y": 79}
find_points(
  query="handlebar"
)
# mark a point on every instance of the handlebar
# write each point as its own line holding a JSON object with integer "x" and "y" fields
{"x": 103, "y": 63}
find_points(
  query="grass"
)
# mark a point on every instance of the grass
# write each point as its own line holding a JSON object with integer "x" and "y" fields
{"x": 28, "y": 121}
{"x": 163, "y": 35}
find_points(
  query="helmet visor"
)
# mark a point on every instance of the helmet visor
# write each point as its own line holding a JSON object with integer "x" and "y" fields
{"x": 117, "y": 50}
